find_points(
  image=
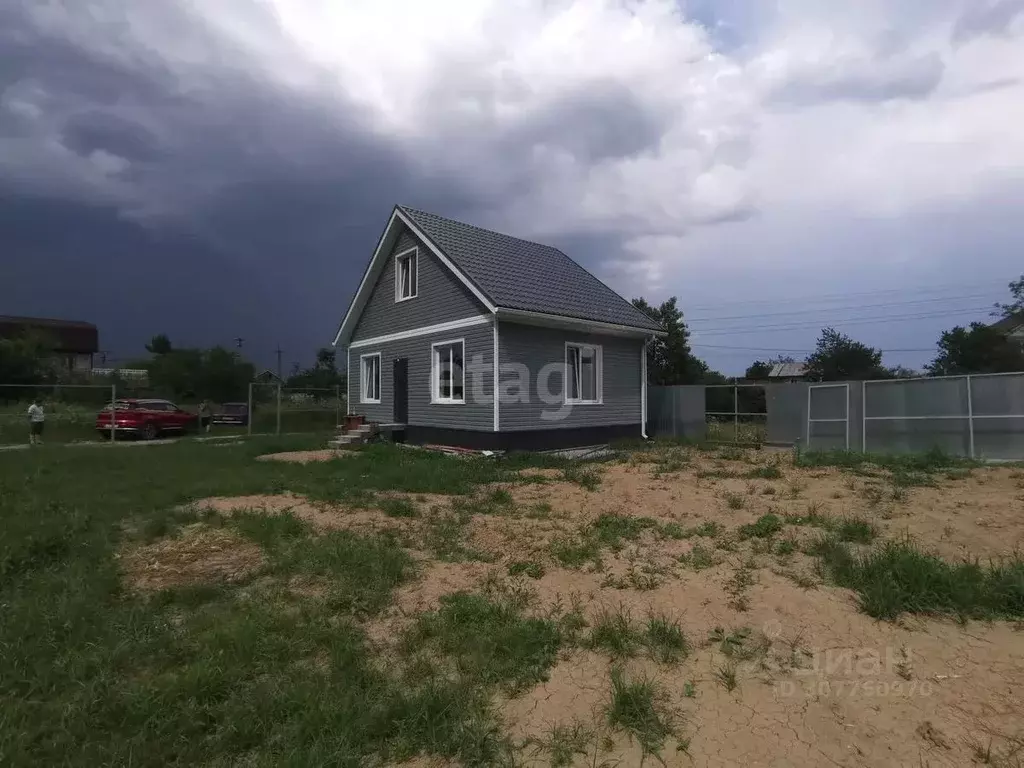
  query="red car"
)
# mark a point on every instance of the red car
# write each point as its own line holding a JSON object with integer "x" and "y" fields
{"x": 148, "y": 419}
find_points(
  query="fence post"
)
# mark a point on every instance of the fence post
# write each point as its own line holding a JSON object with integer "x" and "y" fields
{"x": 970, "y": 418}
{"x": 735, "y": 414}
{"x": 248, "y": 415}
{"x": 113, "y": 412}
{"x": 864, "y": 417}
{"x": 278, "y": 431}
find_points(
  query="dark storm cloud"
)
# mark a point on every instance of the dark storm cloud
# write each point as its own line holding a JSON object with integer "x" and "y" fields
{"x": 601, "y": 121}
{"x": 245, "y": 211}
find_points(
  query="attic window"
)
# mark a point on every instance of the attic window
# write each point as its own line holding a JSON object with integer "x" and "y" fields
{"x": 407, "y": 275}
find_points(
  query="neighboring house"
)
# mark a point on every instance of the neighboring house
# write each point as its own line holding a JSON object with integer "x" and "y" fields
{"x": 1012, "y": 326}
{"x": 267, "y": 376}
{"x": 72, "y": 343}
{"x": 446, "y": 313}
{"x": 788, "y": 372}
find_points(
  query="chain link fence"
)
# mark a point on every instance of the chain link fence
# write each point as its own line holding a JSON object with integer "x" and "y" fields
{"x": 78, "y": 413}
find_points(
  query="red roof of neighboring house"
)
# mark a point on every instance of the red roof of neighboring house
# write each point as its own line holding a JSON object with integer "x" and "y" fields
{"x": 73, "y": 336}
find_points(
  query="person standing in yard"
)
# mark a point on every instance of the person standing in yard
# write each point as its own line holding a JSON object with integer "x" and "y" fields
{"x": 204, "y": 416}
{"x": 36, "y": 420}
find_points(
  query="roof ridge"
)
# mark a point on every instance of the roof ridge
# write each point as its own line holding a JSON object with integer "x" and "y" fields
{"x": 481, "y": 229}
{"x": 559, "y": 251}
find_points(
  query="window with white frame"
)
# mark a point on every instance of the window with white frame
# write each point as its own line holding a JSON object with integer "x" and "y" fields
{"x": 583, "y": 373}
{"x": 447, "y": 371}
{"x": 407, "y": 275}
{"x": 369, "y": 389}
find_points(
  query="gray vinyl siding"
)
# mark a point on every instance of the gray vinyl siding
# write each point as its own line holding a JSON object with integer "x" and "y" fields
{"x": 441, "y": 296}
{"x": 478, "y": 411}
{"x": 536, "y": 347}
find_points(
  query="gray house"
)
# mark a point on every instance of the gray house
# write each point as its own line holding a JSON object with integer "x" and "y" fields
{"x": 447, "y": 314}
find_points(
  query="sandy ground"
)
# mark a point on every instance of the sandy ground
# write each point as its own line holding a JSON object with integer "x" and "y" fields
{"x": 305, "y": 457}
{"x": 823, "y": 684}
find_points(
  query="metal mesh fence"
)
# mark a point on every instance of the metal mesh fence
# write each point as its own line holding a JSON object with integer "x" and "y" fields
{"x": 979, "y": 416}
{"x": 69, "y": 411}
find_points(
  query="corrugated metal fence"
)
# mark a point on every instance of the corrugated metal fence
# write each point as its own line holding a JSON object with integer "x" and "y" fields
{"x": 979, "y": 416}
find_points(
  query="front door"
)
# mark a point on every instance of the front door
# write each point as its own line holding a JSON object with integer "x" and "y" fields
{"x": 401, "y": 383}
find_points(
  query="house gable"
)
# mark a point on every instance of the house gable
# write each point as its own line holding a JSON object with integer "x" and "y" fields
{"x": 440, "y": 296}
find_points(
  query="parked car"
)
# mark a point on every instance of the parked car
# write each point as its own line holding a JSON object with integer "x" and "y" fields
{"x": 148, "y": 419}
{"x": 236, "y": 414}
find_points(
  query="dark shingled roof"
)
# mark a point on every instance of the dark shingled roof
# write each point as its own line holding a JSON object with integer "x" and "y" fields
{"x": 1009, "y": 323}
{"x": 519, "y": 274}
{"x": 73, "y": 336}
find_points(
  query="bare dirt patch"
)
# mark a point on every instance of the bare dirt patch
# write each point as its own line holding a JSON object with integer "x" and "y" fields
{"x": 820, "y": 683}
{"x": 305, "y": 457}
{"x": 200, "y": 555}
{"x": 320, "y": 515}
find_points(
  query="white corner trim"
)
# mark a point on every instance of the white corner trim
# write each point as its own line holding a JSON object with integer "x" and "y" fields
{"x": 426, "y": 330}
{"x": 497, "y": 409}
{"x": 398, "y": 256}
{"x": 445, "y": 260}
{"x": 348, "y": 380}
{"x": 435, "y": 392}
{"x": 573, "y": 323}
{"x": 599, "y": 360}
{"x": 380, "y": 379}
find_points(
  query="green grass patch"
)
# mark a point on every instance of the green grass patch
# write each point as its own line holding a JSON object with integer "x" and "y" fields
{"x": 665, "y": 639}
{"x": 398, "y": 508}
{"x": 222, "y": 674}
{"x": 899, "y": 578}
{"x": 490, "y": 641}
{"x": 636, "y": 707}
{"x": 764, "y": 527}
{"x": 855, "y": 530}
{"x": 765, "y": 472}
{"x": 526, "y": 568}
{"x": 699, "y": 558}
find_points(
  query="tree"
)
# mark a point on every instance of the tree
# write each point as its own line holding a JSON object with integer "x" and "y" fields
{"x": 323, "y": 375}
{"x": 837, "y": 357}
{"x": 669, "y": 358}
{"x": 1016, "y": 306}
{"x": 978, "y": 349}
{"x": 23, "y": 360}
{"x": 216, "y": 374}
{"x": 159, "y": 345}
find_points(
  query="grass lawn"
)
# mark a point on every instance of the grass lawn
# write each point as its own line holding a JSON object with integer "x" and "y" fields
{"x": 92, "y": 673}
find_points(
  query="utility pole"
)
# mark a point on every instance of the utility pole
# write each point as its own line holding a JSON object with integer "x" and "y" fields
{"x": 279, "y": 352}
{"x": 239, "y": 341}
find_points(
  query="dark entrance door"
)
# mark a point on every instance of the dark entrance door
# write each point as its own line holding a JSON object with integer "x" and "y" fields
{"x": 401, "y": 382}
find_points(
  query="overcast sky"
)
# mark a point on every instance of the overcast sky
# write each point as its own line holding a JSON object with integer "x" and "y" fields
{"x": 221, "y": 169}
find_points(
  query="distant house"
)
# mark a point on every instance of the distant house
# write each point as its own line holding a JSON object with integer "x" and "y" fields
{"x": 1012, "y": 326}
{"x": 72, "y": 343}
{"x": 126, "y": 374}
{"x": 448, "y": 313}
{"x": 267, "y": 376}
{"x": 788, "y": 372}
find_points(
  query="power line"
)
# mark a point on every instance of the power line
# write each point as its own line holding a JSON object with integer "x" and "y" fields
{"x": 833, "y": 322}
{"x": 796, "y": 351}
{"x": 958, "y": 288}
{"x": 855, "y": 307}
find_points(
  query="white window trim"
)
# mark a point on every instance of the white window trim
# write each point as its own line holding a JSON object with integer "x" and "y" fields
{"x": 413, "y": 253}
{"x": 599, "y": 355}
{"x": 435, "y": 389}
{"x": 362, "y": 379}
